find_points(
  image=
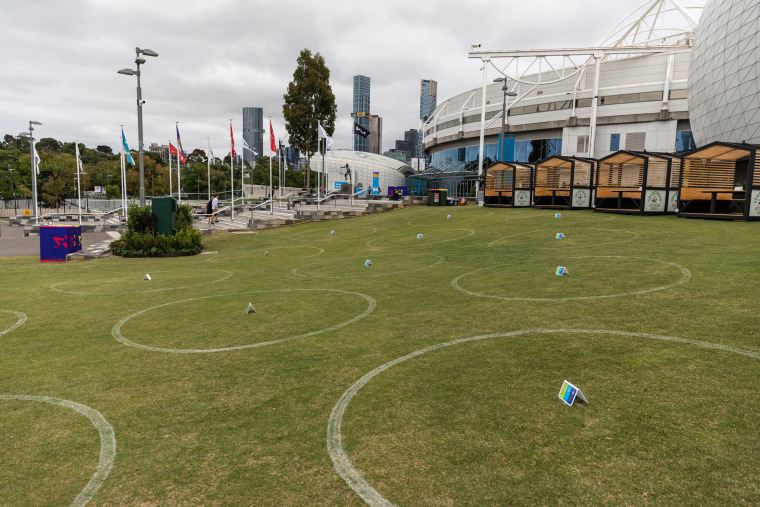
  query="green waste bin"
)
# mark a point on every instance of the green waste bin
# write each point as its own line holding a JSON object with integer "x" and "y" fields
{"x": 437, "y": 196}
{"x": 165, "y": 209}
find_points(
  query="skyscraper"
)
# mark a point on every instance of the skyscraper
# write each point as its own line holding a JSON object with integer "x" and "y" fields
{"x": 428, "y": 98}
{"x": 361, "y": 114}
{"x": 428, "y": 102}
{"x": 375, "y": 135}
{"x": 253, "y": 133}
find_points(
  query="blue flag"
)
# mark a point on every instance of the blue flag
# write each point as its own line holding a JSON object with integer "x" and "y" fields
{"x": 126, "y": 149}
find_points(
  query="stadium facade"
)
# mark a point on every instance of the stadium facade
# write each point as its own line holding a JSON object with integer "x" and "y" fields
{"x": 639, "y": 76}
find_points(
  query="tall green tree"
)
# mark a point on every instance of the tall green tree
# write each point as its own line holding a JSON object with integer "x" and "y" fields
{"x": 308, "y": 102}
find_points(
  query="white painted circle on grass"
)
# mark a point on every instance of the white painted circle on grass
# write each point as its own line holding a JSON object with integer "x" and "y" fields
{"x": 116, "y": 330}
{"x": 259, "y": 252}
{"x": 21, "y": 319}
{"x": 227, "y": 274}
{"x": 685, "y": 277}
{"x": 107, "y": 441}
{"x": 569, "y": 214}
{"x": 549, "y": 236}
{"x": 325, "y": 234}
{"x": 359, "y": 261}
{"x": 354, "y": 478}
{"x": 470, "y": 232}
{"x": 443, "y": 219}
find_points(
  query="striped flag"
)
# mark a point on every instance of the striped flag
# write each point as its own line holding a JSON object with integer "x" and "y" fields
{"x": 126, "y": 149}
{"x": 182, "y": 154}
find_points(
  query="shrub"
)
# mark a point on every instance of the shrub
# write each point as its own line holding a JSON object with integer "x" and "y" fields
{"x": 140, "y": 240}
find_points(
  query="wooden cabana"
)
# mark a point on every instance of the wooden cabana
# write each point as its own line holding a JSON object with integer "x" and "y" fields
{"x": 564, "y": 182}
{"x": 721, "y": 180}
{"x": 509, "y": 184}
{"x": 638, "y": 182}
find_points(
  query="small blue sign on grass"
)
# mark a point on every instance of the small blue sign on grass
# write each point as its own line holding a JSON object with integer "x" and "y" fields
{"x": 561, "y": 270}
{"x": 558, "y": 215}
{"x": 568, "y": 393}
{"x": 368, "y": 262}
{"x": 560, "y": 235}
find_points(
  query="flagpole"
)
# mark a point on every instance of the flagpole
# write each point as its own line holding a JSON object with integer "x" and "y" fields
{"x": 123, "y": 176}
{"x": 309, "y": 169}
{"x": 208, "y": 140}
{"x": 179, "y": 178}
{"x": 232, "y": 174}
{"x": 171, "y": 170}
{"x": 324, "y": 180}
{"x": 271, "y": 183}
{"x": 242, "y": 170}
{"x": 79, "y": 194}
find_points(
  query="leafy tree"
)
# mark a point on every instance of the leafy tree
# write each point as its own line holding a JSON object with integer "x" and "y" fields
{"x": 102, "y": 148}
{"x": 198, "y": 155}
{"x": 309, "y": 101}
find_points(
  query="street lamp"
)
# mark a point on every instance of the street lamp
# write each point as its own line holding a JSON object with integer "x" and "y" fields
{"x": 30, "y": 135}
{"x": 130, "y": 72}
{"x": 507, "y": 93}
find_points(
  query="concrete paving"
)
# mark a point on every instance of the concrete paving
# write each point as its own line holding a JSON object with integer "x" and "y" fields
{"x": 13, "y": 243}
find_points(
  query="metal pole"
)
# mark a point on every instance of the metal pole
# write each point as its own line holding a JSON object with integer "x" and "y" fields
{"x": 208, "y": 158}
{"x": 79, "y": 194}
{"x": 34, "y": 173}
{"x": 232, "y": 176}
{"x": 242, "y": 171}
{"x": 594, "y": 105}
{"x": 319, "y": 150}
{"x": 140, "y": 135}
{"x": 271, "y": 183}
{"x": 171, "y": 169}
{"x": 503, "y": 121}
{"x": 482, "y": 123}
{"x": 179, "y": 180}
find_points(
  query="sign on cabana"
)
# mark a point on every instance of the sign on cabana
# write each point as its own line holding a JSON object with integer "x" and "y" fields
{"x": 580, "y": 198}
{"x": 568, "y": 393}
{"x": 522, "y": 198}
{"x": 673, "y": 202}
{"x": 754, "y": 205}
{"x": 655, "y": 201}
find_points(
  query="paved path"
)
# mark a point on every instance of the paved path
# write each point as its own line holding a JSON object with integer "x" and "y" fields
{"x": 13, "y": 242}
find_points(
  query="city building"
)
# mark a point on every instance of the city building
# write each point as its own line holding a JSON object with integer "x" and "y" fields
{"x": 640, "y": 74}
{"x": 162, "y": 150}
{"x": 367, "y": 170}
{"x": 428, "y": 102}
{"x": 410, "y": 143}
{"x": 375, "y": 135}
{"x": 360, "y": 112}
{"x": 400, "y": 155}
{"x": 253, "y": 133}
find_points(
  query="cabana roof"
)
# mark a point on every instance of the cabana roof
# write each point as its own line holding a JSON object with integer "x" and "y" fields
{"x": 632, "y": 157}
{"x": 562, "y": 161}
{"x": 719, "y": 150}
{"x": 509, "y": 166}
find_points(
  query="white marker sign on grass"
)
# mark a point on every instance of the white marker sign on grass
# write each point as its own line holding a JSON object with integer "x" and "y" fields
{"x": 146, "y": 277}
{"x": 568, "y": 393}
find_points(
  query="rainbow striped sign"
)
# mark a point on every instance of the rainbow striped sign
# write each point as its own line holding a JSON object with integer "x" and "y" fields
{"x": 560, "y": 235}
{"x": 561, "y": 270}
{"x": 568, "y": 393}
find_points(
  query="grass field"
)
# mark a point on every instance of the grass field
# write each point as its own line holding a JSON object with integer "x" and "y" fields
{"x": 428, "y": 378}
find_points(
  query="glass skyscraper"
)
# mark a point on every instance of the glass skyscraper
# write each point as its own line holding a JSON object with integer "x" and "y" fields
{"x": 428, "y": 103}
{"x": 360, "y": 111}
{"x": 253, "y": 133}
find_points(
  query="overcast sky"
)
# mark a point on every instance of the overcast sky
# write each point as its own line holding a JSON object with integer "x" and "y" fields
{"x": 60, "y": 58}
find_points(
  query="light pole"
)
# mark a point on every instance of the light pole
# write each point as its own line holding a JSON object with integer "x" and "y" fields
{"x": 507, "y": 93}
{"x": 130, "y": 72}
{"x": 30, "y": 135}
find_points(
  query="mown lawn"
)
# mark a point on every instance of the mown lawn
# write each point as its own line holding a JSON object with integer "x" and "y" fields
{"x": 657, "y": 323}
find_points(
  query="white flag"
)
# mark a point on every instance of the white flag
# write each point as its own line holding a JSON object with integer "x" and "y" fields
{"x": 80, "y": 167}
{"x": 322, "y": 133}
{"x": 211, "y": 153}
{"x": 245, "y": 145}
{"x": 36, "y": 159}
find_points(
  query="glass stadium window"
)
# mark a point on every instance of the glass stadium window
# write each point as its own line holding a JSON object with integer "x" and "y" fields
{"x": 685, "y": 141}
{"x": 677, "y": 94}
{"x": 650, "y": 96}
{"x": 583, "y": 103}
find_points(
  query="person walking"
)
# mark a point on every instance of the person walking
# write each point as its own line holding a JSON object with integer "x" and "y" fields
{"x": 214, "y": 209}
